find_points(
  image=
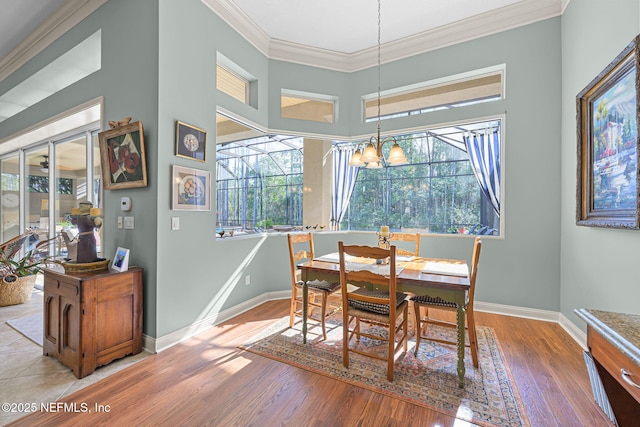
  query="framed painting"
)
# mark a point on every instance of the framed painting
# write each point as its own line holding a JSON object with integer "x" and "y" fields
{"x": 191, "y": 142}
{"x": 191, "y": 189}
{"x": 607, "y": 115}
{"x": 123, "y": 158}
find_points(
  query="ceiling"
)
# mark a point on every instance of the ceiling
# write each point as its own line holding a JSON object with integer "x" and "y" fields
{"x": 351, "y": 26}
{"x": 19, "y": 18}
{"x": 335, "y": 26}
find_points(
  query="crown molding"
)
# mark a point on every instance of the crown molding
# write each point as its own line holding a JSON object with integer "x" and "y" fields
{"x": 240, "y": 21}
{"x": 65, "y": 18}
{"x": 515, "y": 15}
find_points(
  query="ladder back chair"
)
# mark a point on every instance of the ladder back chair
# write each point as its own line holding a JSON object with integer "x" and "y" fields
{"x": 301, "y": 248}
{"x": 381, "y": 306}
{"x": 407, "y": 237}
{"x": 423, "y": 303}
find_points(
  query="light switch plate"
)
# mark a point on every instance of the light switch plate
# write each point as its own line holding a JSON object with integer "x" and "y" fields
{"x": 175, "y": 223}
{"x": 119, "y": 222}
{"x": 128, "y": 223}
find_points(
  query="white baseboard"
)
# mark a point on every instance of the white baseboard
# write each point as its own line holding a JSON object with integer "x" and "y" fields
{"x": 510, "y": 310}
{"x": 531, "y": 313}
{"x": 154, "y": 345}
{"x": 576, "y": 333}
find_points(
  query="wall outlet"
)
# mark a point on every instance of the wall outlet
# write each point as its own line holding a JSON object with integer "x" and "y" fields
{"x": 247, "y": 280}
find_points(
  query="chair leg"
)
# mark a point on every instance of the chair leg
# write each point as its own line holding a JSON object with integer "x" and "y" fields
{"x": 323, "y": 313}
{"x": 405, "y": 332}
{"x": 292, "y": 312}
{"x": 345, "y": 339}
{"x": 418, "y": 326}
{"x": 473, "y": 339}
{"x": 390, "y": 349}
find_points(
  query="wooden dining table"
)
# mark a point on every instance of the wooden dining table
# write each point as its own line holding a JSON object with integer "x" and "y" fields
{"x": 436, "y": 277}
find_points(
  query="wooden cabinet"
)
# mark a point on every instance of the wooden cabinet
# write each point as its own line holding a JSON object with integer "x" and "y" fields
{"x": 614, "y": 343}
{"x": 92, "y": 318}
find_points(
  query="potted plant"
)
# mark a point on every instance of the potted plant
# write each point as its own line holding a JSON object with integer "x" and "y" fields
{"x": 19, "y": 275}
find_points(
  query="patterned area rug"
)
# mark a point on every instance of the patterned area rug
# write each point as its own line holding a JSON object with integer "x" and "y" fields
{"x": 489, "y": 397}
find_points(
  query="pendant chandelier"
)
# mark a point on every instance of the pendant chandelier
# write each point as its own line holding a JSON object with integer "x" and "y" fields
{"x": 372, "y": 157}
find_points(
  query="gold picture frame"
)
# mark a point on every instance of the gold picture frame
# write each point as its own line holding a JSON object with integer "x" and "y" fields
{"x": 608, "y": 145}
{"x": 191, "y": 142}
{"x": 123, "y": 158}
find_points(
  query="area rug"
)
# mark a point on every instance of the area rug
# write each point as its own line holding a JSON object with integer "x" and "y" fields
{"x": 489, "y": 396}
{"x": 30, "y": 326}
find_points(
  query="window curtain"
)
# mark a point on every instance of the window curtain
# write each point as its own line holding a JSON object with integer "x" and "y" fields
{"x": 484, "y": 153}
{"x": 344, "y": 181}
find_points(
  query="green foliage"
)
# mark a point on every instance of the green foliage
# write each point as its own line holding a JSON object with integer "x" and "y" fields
{"x": 437, "y": 191}
{"x": 265, "y": 223}
{"x": 31, "y": 263}
{"x": 26, "y": 266}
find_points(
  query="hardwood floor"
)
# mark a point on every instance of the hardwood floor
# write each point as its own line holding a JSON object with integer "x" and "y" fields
{"x": 208, "y": 381}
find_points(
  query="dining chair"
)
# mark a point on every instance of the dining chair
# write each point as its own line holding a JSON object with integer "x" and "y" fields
{"x": 301, "y": 248}
{"x": 379, "y": 305}
{"x": 406, "y": 237}
{"x": 421, "y": 305}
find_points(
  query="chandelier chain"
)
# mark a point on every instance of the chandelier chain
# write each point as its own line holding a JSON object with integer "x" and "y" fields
{"x": 379, "y": 60}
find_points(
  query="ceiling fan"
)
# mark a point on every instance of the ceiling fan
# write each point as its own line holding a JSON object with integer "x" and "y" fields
{"x": 44, "y": 165}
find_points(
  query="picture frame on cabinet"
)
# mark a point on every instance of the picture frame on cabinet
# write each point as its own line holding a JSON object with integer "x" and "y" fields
{"x": 121, "y": 260}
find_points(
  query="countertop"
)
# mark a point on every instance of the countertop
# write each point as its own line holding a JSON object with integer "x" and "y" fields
{"x": 621, "y": 330}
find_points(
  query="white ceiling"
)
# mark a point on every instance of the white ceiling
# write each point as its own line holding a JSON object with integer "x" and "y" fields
{"x": 21, "y": 17}
{"x": 351, "y": 26}
{"x": 290, "y": 29}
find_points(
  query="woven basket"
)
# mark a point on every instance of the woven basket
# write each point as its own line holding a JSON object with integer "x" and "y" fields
{"x": 18, "y": 291}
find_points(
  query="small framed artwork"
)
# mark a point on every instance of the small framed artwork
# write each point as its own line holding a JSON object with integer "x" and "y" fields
{"x": 121, "y": 260}
{"x": 123, "y": 158}
{"x": 191, "y": 189}
{"x": 608, "y": 145}
{"x": 191, "y": 142}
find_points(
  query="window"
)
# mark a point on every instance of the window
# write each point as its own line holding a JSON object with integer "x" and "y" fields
{"x": 454, "y": 91}
{"x": 442, "y": 190}
{"x": 236, "y": 82}
{"x": 307, "y": 106}
{"x": 258, "y": 177}
{"x": 43, "y": 204}
{"x": 40, "y": 184}
{"x": 439, "y": 191}
{"x": 232, "y": 84}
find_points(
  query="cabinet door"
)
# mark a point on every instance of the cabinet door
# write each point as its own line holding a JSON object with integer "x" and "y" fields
{"x": 69, "y": 346}
{"x": 51, "y": 332}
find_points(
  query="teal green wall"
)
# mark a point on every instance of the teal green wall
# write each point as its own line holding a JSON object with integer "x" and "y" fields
{"x": 199, "y": 276}
{"x": 159, "y": 70}
{"x": 598, "y": 265}
{"x": 128, "y": 81}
